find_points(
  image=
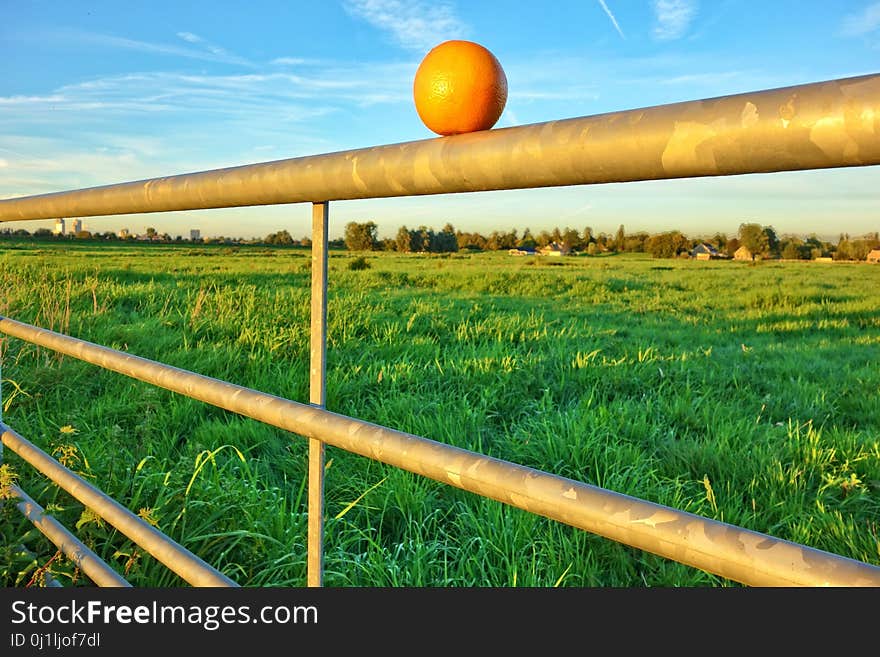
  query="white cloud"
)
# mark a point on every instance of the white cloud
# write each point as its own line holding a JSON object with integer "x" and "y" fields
{"x": 673, "y": 18}
{"x": 264, "y": 97}
{"x": 864, "y": 22}
{"x": 120, "y": 122}
{"x": 30, "y": 100}
{"x": 203, "y": 50}
{"x": 613, "y": 19}
{"x": 414, "y": 25}
{"x": 215, "y": 50}
{"x": 189, "y": 36}
{"x": 291, "y": 61}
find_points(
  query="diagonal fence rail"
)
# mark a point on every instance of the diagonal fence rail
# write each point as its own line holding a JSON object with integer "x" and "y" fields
{"x": 820, "y": 125}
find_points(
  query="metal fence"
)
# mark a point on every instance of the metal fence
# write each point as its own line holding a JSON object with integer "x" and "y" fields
{"x": 820, "y": 125}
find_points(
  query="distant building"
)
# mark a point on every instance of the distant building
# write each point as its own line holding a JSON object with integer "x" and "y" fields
{"x": 705, "y": 251}
{"x": 59, "y": 227}
{"x": 124, "y": 233}
{"x": 195, "y": 234}
{"x": 521, "y": 251}
{"x": 75, "y": 227}
{"x": 873, "y": 256}
{"x": 554, "y": 249}
{"x": 742, "y": 253}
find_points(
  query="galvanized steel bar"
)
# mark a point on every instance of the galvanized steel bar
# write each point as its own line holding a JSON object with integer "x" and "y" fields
{"x": 317, "y": 389}
{"x": 835, "y": 123}
{"x": 176, "y": 557}
{"x": 738, "y": 554}
{"x": 78, "y": 552}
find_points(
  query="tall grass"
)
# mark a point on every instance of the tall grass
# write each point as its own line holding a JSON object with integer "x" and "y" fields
{"x": 747, "y": 394}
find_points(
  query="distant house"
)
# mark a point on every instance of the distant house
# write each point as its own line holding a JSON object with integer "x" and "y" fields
{"x": 705, "y": 251}
{"x": 873, "y": 256}
{"x": 521, "y": 251}
{"x": 743, "y": 253}
{"x": 554, "y": 249}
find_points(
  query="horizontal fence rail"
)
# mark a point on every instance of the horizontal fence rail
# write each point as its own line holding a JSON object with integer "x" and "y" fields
{"x": 811, "y": 126}
{"x": 78, "y": 552}
{"x": 738, "y": 554}
{"x": 177, "y": 558}
{"x": 828, "y": 124}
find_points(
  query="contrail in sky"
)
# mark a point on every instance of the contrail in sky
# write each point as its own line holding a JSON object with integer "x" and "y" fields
{"x": 613, "y": 20}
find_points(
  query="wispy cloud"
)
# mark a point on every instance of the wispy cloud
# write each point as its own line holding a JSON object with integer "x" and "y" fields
{"x": 863, "y": 22}
{"x": 138, "y": 122}
{"x": 214, "y": 49}
{"x": 199, "y": 48}
{"x": 613, "y": 19}
{"x": 293, "y": 61}
{"x": 673, "y": 18}
{"x": 414, "y": 25}
{"x": 189, "y": 36}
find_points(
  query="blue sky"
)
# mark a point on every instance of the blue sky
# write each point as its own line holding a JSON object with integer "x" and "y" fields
{"x": 98, "y": 92}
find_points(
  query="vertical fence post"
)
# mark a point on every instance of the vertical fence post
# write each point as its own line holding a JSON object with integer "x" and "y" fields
{"x": 317, "y": 393}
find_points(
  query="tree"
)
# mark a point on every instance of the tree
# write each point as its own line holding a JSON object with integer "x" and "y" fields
{"x": 361, "y": 236}
{"x": 527, "y": 241}
{"x": 719, "y": 241}
{"x": 635, "y": 243}
{"x": 423, "y": 239}
{"x": 281, "y": 238}
{"x": 754, "y": 238}
{"x": 570, "y": 239}
{"x": 404, "y": 240}
{"x": 772, "y": 239}
{"x": 470, "y": 241}
{"x": 620, "y": 239}
{"x": 794, "y": 250}
{"x": 667, "y": 245}
{"x": 151, "y": 232}
{"x": 445, "y": 240}
{"x": 732, "y": 245}
{"x": 499, "y": 241}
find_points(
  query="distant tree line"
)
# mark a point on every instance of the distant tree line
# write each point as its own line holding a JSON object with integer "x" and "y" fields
{"x": 761, "y": 241}
{"x": 424, "y": 239}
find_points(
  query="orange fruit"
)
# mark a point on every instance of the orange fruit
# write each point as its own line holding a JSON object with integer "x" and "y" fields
{"x": 459, "y": 87}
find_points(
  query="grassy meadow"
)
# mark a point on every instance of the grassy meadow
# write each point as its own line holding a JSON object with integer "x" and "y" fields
{"x": 746, "y": 393}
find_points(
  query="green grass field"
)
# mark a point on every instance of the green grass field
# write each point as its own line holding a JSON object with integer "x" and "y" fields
{"x": 744, "y": 393}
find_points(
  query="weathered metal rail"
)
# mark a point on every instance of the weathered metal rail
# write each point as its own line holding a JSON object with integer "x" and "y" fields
{"x": 811, "y": 126}
{"x": 78, "y": 552}
{"x": 820, "y": 125}
{"x": 177, "y": 558}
